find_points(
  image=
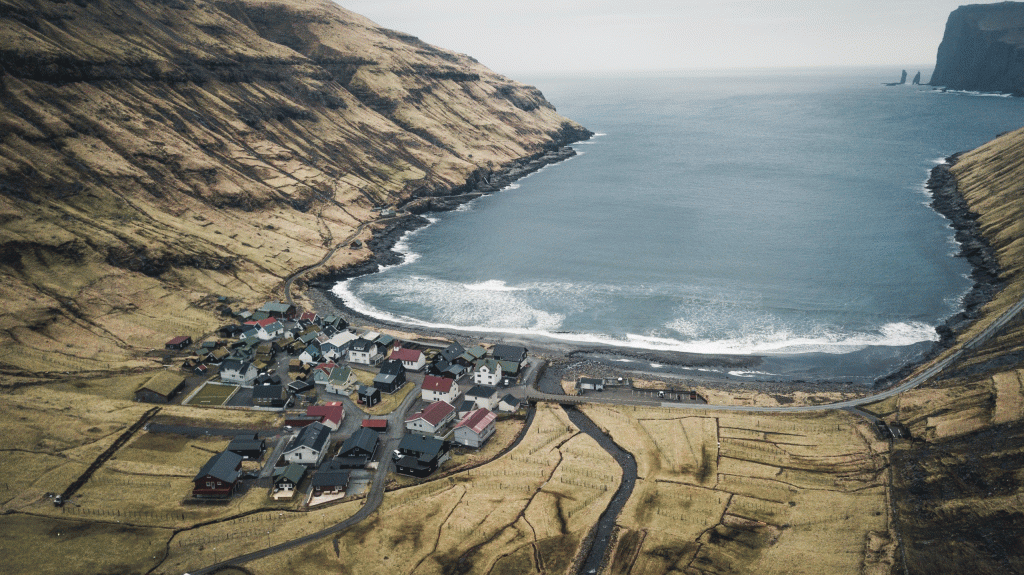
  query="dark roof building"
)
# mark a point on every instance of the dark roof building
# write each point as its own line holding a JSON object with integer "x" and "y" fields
{"x": 368, "y": 395}
{"x": 452, "y": 352}
{"x": 180, "y": 342}
{"x": 419, "y": 455}
{"x": 219, "y": 477}
{"x": 362, "y": 443}
{"x": 310, "y": 446}
{"x": 269, "y": 395}
{"x": 330, "y": 478}
{"x": 248, "y": 446}
{"x": 502, "y": 352}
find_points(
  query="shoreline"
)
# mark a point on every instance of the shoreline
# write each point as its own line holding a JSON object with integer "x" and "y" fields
{"x": 946, "y": 200}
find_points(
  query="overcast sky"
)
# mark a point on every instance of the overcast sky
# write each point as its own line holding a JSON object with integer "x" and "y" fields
{"x": 586, "y": 36}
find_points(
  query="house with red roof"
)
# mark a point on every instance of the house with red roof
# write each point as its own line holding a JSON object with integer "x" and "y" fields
{"x": 412, "y": 359}
{"x": 267, "y": 329}
{"x": 180, "y": 342}
{"x": 476, "y": 428}
{"x": 437, "y": 388}
{"x": 433, "y": 417}
{"x": 332, "y": 412}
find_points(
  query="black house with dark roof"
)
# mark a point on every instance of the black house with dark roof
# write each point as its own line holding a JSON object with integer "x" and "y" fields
{"x": 452, "y": 352}
{"x": 248, "y": 446}
{"x": 420, "y": 455}
{"x": 391, "y": 377}
{"x": 330, "y": 478}
{"x": 357, "y": 450}
{"x": 368, "y": 395}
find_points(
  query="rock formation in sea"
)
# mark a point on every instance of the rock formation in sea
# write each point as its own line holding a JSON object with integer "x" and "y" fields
{"x": 983, "y": 49}
{"x": 155, "y": 154}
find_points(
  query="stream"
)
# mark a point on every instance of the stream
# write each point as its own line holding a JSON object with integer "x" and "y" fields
{"x": 601, "y": 535}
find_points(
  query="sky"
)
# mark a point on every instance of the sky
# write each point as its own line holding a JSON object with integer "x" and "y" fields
{"x": 587, "y": 36}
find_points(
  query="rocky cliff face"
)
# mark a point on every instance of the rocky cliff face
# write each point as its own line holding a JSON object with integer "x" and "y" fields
{"x": 983, "y": 49}
{"x": 155, "y": 152}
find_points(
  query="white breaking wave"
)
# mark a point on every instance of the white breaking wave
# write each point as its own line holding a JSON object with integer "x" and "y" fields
{"x": 785, "y": 341}
{"x": 748, "y": 373}
{"x": 975, "y": 93}
{"x": 487, "y": 306}
{"x": 475, "y": 311}
{"x": 492, "y": 285}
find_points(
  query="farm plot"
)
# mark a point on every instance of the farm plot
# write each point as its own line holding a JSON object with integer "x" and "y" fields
{"x": 212, "y": 394}
{"x": 747, "y": 493}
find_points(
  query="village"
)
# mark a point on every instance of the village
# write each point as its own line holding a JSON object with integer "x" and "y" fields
{"x": 338, "y": 393}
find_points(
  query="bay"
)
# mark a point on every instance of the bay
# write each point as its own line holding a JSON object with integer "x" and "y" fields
{"x": 778, "y": 214}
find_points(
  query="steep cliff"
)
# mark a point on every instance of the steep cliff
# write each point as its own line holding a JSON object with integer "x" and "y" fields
{"x": 156, "y": 152}
{"x": 983, "y": 49}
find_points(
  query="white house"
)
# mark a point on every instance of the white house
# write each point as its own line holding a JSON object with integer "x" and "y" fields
{"x": 437, "y": 388}
{"x": 310, "y": 446}
{"x": 475, "y": 428}
{"x": 332, "y": 348}
{"x": 364, "y": 351}
{"x": 238, "y": 372}
{"x": 310, "y": 355}
{"x": 509, "y": 404}
{"x": 432, "y": 418}
{"x": 483, "y": 396}
{"x": 412, "y": 359}
{"x": 487, "y": 372}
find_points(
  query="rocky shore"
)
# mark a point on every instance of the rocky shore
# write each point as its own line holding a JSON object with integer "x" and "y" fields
{"x": 974, "y": 247}
{"x": 481, "y": 182}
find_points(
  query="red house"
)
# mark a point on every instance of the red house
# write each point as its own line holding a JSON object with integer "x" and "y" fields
{"x": 375, "y": 424}
{"x": 219, "y": 477}
{"x": 180, "y": 342}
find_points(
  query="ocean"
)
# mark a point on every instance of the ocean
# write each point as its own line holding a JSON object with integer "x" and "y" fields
{"x": 773, "y": 214}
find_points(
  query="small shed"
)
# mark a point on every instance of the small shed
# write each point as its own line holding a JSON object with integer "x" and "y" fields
{"x": 179, "y": 342}
{"x": 368, "y": 396}
{"x": 378, "y": 425}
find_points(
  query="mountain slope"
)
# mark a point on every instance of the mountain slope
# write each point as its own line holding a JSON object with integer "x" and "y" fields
{"x": 155, "y": 153}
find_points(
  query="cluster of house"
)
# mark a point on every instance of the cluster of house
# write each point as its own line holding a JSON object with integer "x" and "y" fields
{"x": 308, "y": 452}
{"x": 324, "y": 351}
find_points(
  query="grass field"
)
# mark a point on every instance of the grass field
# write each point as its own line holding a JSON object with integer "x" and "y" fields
{"x": 722, "y": 492}
{"x": 388, "y": 401}
{"x": 213, "y": 394}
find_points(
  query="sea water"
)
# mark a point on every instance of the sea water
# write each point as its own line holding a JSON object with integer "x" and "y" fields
{"x": 775, "y": 214}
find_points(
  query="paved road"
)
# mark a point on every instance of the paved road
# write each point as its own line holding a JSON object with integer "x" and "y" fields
{"x": 291, "y": 279}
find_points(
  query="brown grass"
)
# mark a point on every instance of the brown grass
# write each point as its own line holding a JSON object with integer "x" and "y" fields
{"x": 747, "y": 493}
{"x": 536, "y": 503}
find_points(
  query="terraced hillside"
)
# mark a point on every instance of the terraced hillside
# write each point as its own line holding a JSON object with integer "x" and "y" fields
{"x": 154, "y": 153}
